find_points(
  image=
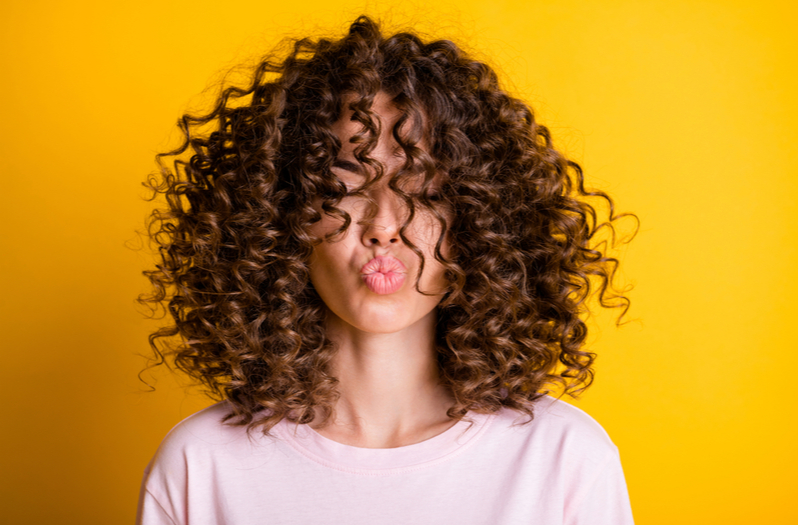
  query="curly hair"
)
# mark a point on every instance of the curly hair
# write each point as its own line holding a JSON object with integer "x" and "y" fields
{"x": 234, "y": 242}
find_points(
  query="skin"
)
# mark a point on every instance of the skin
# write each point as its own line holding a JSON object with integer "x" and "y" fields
{"x": 386, "y": 359}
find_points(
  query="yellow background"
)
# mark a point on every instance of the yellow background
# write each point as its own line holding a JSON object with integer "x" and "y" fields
{"x": 685, "y": 111}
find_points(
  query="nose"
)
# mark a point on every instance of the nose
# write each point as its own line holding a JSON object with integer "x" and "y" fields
{"x": 383, "y": 230}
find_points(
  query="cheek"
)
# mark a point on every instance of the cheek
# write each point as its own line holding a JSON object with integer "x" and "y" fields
{"x": 428, "y": 232}
{"x": 330, "y": 223}
{"x": 331, "y": 262}
{"x": 328, "y": 273}
{"x": 427, "y": 235}
{"x": 326, "y": 224}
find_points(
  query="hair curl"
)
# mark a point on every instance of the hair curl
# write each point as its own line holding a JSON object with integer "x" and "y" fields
{"x": 234, "y": 243}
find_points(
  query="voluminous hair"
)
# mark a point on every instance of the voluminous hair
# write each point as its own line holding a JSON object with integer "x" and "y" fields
{"x": 234, "y": 242}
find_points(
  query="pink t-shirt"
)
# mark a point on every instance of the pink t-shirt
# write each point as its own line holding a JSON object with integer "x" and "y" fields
{"x": 560, "y": 469}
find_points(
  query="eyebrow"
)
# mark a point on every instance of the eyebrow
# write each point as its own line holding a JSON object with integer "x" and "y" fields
{"x": 356, "y": 168}
{"x": 347, "y": 166}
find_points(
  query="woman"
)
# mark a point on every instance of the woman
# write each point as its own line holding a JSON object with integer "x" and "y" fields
{"x": 378, "y": 261}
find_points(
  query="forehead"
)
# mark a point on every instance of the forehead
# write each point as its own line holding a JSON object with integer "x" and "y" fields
{"x": 385, "y": 112}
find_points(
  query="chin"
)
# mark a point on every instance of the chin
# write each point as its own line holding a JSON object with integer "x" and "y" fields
{"x": 382, "y": 324}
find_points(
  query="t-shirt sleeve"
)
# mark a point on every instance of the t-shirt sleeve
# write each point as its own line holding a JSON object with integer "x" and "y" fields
{"x": 151, "y": 512}
{"x": 603, "y": 500}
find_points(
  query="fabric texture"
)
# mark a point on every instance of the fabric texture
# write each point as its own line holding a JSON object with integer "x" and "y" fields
{"x": 560, "y": 469}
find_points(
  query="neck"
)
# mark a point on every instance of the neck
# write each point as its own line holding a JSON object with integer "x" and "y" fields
{"x": 389, "y": 386}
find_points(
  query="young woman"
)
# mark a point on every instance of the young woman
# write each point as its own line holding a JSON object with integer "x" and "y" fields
{"x": 379, "y": 262}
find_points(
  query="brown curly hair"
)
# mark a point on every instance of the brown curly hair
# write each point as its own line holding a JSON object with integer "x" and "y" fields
{"x": 234, "y": 238}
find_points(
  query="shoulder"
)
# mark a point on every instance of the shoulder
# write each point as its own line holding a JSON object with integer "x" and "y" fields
{"x": 204, "y": 437}
{"x": 560, "y": 426}
{"x": 203, "y": 428}
{"x": 192, "y": 458}
{"x": 566, "y": 443}
{"x": 571, "y": 419}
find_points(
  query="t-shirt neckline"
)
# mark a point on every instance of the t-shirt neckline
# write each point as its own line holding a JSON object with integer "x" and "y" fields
{"x": 383, "y": 461}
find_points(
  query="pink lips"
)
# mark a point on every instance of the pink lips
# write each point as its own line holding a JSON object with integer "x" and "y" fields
{"x": 384, "y": 274}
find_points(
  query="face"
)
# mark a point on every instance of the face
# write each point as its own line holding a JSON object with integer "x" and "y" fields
{"x": 366, "y": 276}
